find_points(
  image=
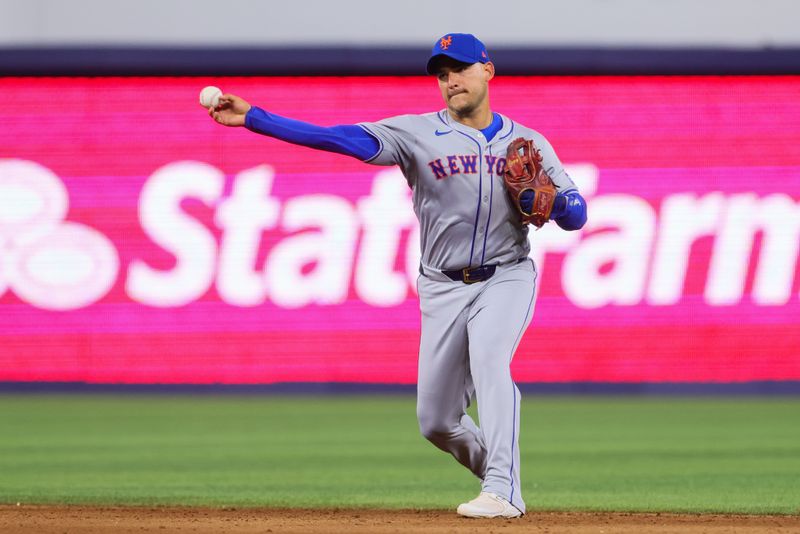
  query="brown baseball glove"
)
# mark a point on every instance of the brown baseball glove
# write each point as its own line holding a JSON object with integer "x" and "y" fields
{"x": 524, "y": 172}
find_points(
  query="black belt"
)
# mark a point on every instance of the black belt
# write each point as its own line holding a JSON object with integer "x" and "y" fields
{"x": 471, "y": 275}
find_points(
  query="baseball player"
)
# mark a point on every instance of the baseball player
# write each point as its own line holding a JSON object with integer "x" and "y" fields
{"x": 476, "y": 285}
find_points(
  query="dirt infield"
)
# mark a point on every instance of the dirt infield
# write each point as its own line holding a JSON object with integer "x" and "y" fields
{"x": 91, "y": 520}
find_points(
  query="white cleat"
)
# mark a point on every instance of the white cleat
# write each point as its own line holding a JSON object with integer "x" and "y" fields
{"x": 488, "y": 505}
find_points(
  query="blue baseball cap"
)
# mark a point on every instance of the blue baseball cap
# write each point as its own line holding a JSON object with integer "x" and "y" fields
{"x": 463, "y": 47}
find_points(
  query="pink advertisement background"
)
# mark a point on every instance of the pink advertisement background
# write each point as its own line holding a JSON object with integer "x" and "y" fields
{"x": 648, "y": 137}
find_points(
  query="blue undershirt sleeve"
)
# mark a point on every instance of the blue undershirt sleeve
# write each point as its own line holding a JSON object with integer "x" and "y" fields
{"x": 349, "y": 139}
{"x": 569, "y": 209}
{"x": 571, "y": 213}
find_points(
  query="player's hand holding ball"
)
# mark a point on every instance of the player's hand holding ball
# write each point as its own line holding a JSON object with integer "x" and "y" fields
{"x": 226, "y": 109}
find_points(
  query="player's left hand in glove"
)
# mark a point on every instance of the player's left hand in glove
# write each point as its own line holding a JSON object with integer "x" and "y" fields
{"x": 531, "y": 189}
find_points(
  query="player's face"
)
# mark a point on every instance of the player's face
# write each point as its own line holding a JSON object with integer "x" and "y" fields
{"x": 464, "y": 87}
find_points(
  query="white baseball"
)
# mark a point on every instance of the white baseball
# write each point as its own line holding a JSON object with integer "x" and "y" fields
{"x": 209, "y": 96}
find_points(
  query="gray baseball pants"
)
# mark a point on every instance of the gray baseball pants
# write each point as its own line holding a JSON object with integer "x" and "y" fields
{"x": 469, "y": 335}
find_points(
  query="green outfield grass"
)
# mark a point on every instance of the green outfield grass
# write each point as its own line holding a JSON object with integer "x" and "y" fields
{"x": 585, "y": 453}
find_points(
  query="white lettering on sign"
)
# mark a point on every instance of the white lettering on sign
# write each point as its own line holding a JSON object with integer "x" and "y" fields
{"x": 193, "y": 246}
{"x": 610, "y": 266}
{"x": 628, "y": 253}
{"x": 243, "y": 218}
{"x": 685, "y": 218}
{"x": 777, "y": 217}
{"x": 313, "y": 265}
{"x": 384, "y": 215}
{"x": 46, "y": 261}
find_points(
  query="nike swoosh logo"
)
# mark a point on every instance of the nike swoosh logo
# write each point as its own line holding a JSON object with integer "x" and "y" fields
{"x": 437, "y": 132}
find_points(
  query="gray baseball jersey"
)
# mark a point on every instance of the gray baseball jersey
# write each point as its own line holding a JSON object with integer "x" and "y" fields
{"x": 466, "y": 219}
{"x": 469, "y": 331}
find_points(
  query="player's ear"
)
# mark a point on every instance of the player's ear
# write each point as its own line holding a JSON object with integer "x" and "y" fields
{"x": 488, "y": 70}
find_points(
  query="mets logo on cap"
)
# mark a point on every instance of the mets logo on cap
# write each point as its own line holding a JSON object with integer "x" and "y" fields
{"x": 445, "y": 42}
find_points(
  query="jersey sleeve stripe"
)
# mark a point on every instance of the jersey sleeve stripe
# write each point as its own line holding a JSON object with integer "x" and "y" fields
{"x": 380, "y": 143}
